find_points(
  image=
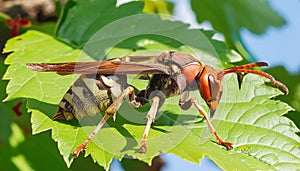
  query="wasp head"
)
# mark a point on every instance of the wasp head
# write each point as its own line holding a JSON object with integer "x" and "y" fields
{"x": 210, "y": 87}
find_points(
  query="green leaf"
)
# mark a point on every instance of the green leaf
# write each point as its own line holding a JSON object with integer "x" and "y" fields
{"x": 248, "y": 117}
{"x": 81, "y": 19}
{"x": 229, "y": 17}
{"x": 4, "y": 31}
{"x": 292, "y": 82}
{"x": 20, "y": 150}
{"x": 101, "y": 31}
{"x": 262, "y": 137}
{"x": 26, "y": 82}
{"x": 160, "y": 7}
{"x": 46, "y": 27}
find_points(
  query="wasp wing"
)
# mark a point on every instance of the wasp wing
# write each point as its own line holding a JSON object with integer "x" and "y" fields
{"x": 102, "y": 67}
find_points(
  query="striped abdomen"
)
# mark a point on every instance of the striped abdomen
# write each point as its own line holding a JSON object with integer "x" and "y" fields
{"x": 89, "y": 95}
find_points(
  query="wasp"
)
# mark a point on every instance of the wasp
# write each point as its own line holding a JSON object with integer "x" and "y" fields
{"x": 103, "y": 87}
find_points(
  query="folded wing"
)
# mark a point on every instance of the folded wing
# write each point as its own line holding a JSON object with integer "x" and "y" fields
{"x": 101, "y": 67}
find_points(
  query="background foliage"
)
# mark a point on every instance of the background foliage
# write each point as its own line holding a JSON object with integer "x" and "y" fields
{"x": 248, "y": 118}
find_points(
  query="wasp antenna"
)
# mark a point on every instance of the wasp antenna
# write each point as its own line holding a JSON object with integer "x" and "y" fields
{"x": 252, "y": 65}
{"x": 261, "y": 73}
{"x": 271, "y": 78}
{"x": 237, "y": 69}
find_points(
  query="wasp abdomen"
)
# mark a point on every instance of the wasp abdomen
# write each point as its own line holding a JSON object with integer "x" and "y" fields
{"x": 88, "y": 96}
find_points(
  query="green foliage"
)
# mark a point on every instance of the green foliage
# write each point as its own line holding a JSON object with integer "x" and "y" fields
{"x": 229, "y": 17}
{"x": 19, "y": 150}
{"x": 81, "y": 19}
{"x": 127, "y": 29}
{"x": 292, "y": 82}
{"x": 250, "y": 118}
{"x": 4, "y": 31}
{"x": 31, "y": 52}
{"x": 161, "y": 7}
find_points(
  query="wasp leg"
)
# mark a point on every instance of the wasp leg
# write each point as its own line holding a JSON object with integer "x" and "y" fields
{"x": 185, "y": 105}
{"x": 150, "y": 119}
{"x": 110, "y": 111}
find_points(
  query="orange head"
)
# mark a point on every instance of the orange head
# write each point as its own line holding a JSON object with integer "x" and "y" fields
{"x": 210, "y": 84}
{"x": 210, "y": 87}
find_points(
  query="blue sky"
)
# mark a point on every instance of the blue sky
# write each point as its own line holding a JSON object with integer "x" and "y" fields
{"x": 279, "y": 46}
